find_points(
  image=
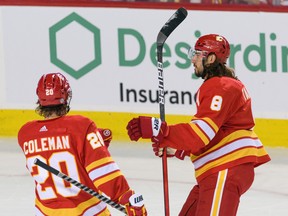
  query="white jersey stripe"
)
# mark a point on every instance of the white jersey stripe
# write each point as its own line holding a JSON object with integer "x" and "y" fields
{"x": 94, "y": 174}
{"x": 245, "y": 142}
{"x": 95, "y": 209}
{"x": 205, "y": 128}
{"x": 38, "y": 212}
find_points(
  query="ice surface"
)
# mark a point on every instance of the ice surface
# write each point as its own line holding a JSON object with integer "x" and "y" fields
{"x": 267, "y": 197}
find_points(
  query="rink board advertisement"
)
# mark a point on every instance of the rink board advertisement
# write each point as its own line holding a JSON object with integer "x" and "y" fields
{"x": 109, "y": 57}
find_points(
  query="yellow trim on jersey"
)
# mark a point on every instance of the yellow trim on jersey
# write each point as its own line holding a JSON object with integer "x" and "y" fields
{"x": 209, "y": 121}
{"x": 70, "y": 211}
{"x": 230, "y": 138}
{"x": 245, "y": 152}
{"x": 98, "y": 163}
{"x": 107, "y": 178}
{"x": 218, "y": 192}
{"x": 202, "y": 136}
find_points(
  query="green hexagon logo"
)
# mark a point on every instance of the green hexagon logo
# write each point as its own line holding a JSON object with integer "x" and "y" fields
{"x": 65, "y": 61}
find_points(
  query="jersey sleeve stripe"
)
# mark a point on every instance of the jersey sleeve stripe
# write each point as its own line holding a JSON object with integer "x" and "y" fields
{"x": 107, "y": 178}
{"x": 200, "y": 133}
{"x": 205, "y": 127}
{"x": 102, "y": 171}
{"x": 98, "y": 163}
{"x": 212, "y": 124}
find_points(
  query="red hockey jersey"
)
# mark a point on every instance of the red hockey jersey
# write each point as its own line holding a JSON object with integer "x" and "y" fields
{"x": 220, "y": 135}
{"x": 72, "y": 145}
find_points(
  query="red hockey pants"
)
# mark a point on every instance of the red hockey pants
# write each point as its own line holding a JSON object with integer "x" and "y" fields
{"x": 219, "y": 194}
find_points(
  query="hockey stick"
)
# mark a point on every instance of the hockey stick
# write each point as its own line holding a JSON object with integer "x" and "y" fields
{"x": 79, "y": 185}
{"x": 164, "y": 33}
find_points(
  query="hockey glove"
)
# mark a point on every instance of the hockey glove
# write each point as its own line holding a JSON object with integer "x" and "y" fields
{"x": 170, "y": 152}
{"x": 133, "y": 203}
{"x": 147, "y": 127}
{"x": 106, "y": 135}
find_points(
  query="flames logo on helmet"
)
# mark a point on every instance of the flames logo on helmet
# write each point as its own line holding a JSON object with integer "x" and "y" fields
{"x": 213, "y": 43}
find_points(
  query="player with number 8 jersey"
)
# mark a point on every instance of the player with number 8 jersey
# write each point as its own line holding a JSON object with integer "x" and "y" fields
{"x": 73, "y": 145}
{"x": 220, "y": 137}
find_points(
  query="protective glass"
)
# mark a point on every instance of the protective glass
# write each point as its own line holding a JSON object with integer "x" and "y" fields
{"x": 192, "y": 53}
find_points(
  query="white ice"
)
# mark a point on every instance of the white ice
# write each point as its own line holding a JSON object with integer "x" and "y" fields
{"x": 268, "y": 195}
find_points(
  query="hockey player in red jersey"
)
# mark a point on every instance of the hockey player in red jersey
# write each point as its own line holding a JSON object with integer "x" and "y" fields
{"x": 219, "y": 139}
{"x": 75, "y": 146}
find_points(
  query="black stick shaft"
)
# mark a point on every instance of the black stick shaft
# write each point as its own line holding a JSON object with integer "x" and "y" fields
{"x": 171, "y": 25}
{"x": 164, "y": 33}
{"x": 79, "y": 185}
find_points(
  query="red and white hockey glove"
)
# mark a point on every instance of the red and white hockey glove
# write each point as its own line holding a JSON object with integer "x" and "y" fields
{"x": 133, "y": 203}
{"x": 106, "y": 135}
{"x": 170, "y": 152}
{"x": 147, "y": 127}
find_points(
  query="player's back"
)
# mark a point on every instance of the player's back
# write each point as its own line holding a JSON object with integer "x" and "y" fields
{"x": 227, "y": 102}
{"x": 59, "y": 142}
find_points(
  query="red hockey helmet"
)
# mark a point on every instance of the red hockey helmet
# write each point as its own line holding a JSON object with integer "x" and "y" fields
{"x": 214, "y": 43}
{"x": 53, "y": 89}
